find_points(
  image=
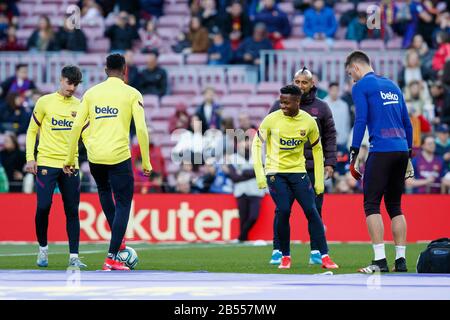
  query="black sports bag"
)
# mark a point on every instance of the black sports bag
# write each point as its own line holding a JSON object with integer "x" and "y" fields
{"x": 435, "y": 258}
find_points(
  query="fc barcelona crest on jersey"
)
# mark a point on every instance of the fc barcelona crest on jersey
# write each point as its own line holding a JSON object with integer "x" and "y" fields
{"x": 74, "y": 114}
{"x": 302, "y": 133}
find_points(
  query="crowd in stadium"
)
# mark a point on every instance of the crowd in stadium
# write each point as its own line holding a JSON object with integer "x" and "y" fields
{"x": 234, "y": 32}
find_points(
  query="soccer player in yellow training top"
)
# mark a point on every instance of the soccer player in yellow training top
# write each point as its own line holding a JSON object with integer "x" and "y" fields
{"x": 285, "y": 132}
{"x": 110, "y": 106}
{"x": 53, "y": 117}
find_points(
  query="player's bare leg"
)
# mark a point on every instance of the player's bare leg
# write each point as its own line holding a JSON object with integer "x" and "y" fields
{"x": 376, "y": 232}
{"x": 398, "y": 227}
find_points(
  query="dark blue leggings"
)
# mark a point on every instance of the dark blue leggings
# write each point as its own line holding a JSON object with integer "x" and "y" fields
{"x": 115, "y": 179}
{"x": 284, "y": 189}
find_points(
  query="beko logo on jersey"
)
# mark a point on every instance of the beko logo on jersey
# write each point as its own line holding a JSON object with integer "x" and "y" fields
{"x": 61, "y": 124}
{"x": 106, "y": 112}
{"x": 392, "y": 97}
{"x": 290, "y": 143}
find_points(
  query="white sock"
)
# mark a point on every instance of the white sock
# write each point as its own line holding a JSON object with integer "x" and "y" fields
{"x": 275, "y": 251}
{"x": 379, "y": 251}
{"x": 43, "y": 248}
{"x": 73, "y": 255}
{"x": 400, "y": 252}
{"x": 324, "y": 255}
{"x": 315, "y": 252}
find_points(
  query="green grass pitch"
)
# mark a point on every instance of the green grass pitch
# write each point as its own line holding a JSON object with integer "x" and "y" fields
{"x": 238, "y": 258}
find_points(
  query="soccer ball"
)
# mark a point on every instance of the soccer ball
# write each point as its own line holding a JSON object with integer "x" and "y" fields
{"x": 129, "y": 257}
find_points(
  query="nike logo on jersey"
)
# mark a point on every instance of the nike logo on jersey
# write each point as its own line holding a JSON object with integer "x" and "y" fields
{"x": 391, "y": 98}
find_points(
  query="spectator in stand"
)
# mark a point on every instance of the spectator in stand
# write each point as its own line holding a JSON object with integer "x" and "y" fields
{"x": 158, "y": 178}
{"x": 9, "y": 9}
{"x": 181, "y": 119}
{"x": 19, "y": 83}
{"x": 347, "y": 97}
{"x": 443, "y": 143}
{"x": 152, "y": 8}
{"x": 183, "y": 183}
{"x": 220, "y": 52}
{"x": 213, "y": 179}
{"x": 321, "y": 93}
{"x": 446, "y": 74}
{"x": 209, "y": 112}
{"x": 357, "y": 28}
{"x": 276, "y": 21}
{"x": 70, "y": 38}
{"x": 132, "y": 72}
{"x": 153, "y": 80}
{"x": 132, "y": 7}
{"x": 244, "y": 122}
{"x": 122, "y": 33}
{"x": 43, "y": 38}
{"x": 239, "y": 168}
{"x": 422, "y": 22}
{"x": 237, "y": 25}
{"x": 341, "y": 114}
{"x": 149, "y": 37}
{"x": 14, "y": 116}
{"x": 198, "y": 36}
{"x": 412, "y": 69}
{"x": 428, "y": 169}
{"x": 248, "y": 51}
{"x": 320, "y": 22}
{"x": 418, "y": 98}
{"x": 11, "y": 43}
{"x": 441, "y": 102}
{"x": 4, "y": 24}
{"x": 425, "y": 54}
{"x": 443, "y": 52}
{"x": 209, "y": 15}
{"x": 13, "y": 161}
{"x": 91, "y": 13}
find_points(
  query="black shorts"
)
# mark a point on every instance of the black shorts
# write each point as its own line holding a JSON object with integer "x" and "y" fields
{"x": 384, "y": 175}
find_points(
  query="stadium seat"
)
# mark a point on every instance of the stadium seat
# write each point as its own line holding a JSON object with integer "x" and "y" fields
{"x": 45, "y": 9}
{"x": 170, "y": 59}
{"x": 241, "y": 88}
{"x": 99, "y": 45}
{"x": 292, "y": 44}
{"x": 345, "y": 45}
{"x": 342, "y": 7}
{"x": 220, "y": 89}
{"x": 234, "y": 101}
{"x": 90, "y": 59}
{"x": 179, "y": 75}
{"x": 173, "y": 101}
{"x": 197, "y": 58}
{"x": 260, "y": 101}
{"x": 30, "y": 22}
{"x": 363, "y": 6}
{"x": 185, "y": 89}
{"x": 177, "y": 21}
{"x": 151, "y": 101}
{"x": 395, "y": 43}
{"x": 24, "y": 34}
{"x": 272, "y": 88}
{"x": 287, "y": 7}
{"x": 371, "y": 44}
{"x": 211, "y": 75}
{"x": 168, "y": 33}
{"x": 140, "y": 59}
{"x": 176, "y": 9}
{"x": 317, "y": 45}
{"x": 161, "y": 126}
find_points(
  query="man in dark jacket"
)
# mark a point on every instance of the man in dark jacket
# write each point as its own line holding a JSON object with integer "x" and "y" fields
{"x": 19, "y": 83}
{"x": 248, "y": 51}
{"x": 153, "y": 80}
{"x": 70, "y": 38}
{"x": 123, "y": 33}
{"x": 321, "y": 112}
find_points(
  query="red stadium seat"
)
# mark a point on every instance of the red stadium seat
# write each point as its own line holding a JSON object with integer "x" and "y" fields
{"x": 151, "y": 101}
{"x": 260, "y": 101}
{"x": 90, "y": 59}
{"x": 221, "y": 89}
{"x": 272, "y": 88}
{"x": 234, "y": 101}
{"x": 345, "y": 45}
{"x": 342, "y": 7}
{"x": 318, "y": 45}
{"x": 172, "y": 101}
{"x": 372, "y": 44}
{"x": 241, "y": 88}
{"x": 292, "y": 44}
{"x": 185, "y": 89}
{"x": 161, "y": 126}
{"x": 177, "y": 21}
{"x": 176, "y": 9}
{"x": 170, "y": 59}
{"x": 99, "y": 45}
{"x": 45, "y": 9}
{"x": 395, "y": 43}
{"x": 197, "y": 58}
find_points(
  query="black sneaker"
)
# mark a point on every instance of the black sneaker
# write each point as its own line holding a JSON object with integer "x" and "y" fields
{"x": 376, "y": 266}
{"x": 400, "y": 265}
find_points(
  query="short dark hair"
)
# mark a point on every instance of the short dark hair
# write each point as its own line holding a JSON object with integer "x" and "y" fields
{"x": 425, "y": 137}
{"x": 115, "y": 61}
{"x": 291, "y": 89}
{"x": 333, "y": 84}
{"x": 357, "y": 56}
{"x": 72, "y": 73}
{"x": 21, "y": 65}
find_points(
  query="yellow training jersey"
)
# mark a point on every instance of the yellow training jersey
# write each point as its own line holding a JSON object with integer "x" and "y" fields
{"x": 53, "y": 116}
{"x": 110, "y": 106}
{"x": 285, "y": 138}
